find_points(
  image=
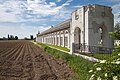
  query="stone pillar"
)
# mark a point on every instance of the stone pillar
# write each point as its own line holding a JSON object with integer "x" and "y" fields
{"x": 72, "y": 41}
{"x": 63, "y": 38}
{"x": 50, "y": 38}
{"x": 53, "y": 38}
{"x": 68, "y": 39}
{"x": 56, "y": 39}
{"x": 46, "y": 38}
{"x": 59, "y": 39}
{"x": 43, "y": 38}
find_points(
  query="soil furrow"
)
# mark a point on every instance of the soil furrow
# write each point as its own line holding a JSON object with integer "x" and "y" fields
{"x": 22, "y": 60}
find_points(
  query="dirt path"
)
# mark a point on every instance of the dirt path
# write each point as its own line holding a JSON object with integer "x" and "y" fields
{"x": 22, "y": 60}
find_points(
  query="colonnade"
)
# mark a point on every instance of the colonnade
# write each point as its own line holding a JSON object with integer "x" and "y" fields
{"x": 58, "y": 38}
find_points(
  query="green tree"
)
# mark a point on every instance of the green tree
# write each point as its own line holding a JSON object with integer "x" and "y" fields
{"x": 116, "y": 33}
{"x": 12, "y": 37}
{"x": 16, "y": 37}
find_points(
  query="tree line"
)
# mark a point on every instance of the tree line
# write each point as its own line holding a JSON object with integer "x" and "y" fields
{"x": 11, "y": 37}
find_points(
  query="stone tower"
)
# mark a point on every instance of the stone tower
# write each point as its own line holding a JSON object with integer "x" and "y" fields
{"x": 91, "y": 26}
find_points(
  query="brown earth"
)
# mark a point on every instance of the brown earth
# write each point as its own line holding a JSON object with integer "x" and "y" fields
{"x": 22, "y": 60}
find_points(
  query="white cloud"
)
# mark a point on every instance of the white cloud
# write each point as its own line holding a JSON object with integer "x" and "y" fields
{"x": 4, "y": 17}
{"x": 43, "y": 28}
{"x": 44, "y": 10}
{"x": 19, "y": 10}
{"x": 44, "y": 24}
{"x": 114, "y": 1}
{"x": 63, "y": 15}
{"x": 77, "y": 6}
{"x": 22, "y": 31}
{"x": 47, "y": 9}
{"x": 58, "y": 0}
{"x": 10, "y": 9}
{"x": 15, "y": 10}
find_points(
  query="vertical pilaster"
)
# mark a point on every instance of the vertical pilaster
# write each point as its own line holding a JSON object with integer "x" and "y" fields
{"x": 68, "y": 39}
{"x": 56, "y": 39}
{"x": 63, "y": 38}
{"x": 53, "y": 38}
{"x": 59, "y": 39}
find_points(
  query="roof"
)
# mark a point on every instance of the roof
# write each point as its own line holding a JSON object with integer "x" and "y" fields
{"x": 61, "y": 26}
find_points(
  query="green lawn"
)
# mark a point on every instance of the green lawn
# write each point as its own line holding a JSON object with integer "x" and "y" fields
{"x": 100, "y": 56}
{"x": 95, "y": 55}
{"x": 58, "y": 47}
{"x": 104, "y": 56}
{"x": 79, "y": 65}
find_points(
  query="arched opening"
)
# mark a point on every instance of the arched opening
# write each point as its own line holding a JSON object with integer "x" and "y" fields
{"x": 77, "y": 37}
{"x": 102, "y": 33}
{"x": 66, "y": 38}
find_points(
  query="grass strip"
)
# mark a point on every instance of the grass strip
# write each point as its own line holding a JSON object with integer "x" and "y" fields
{"x": 100, "y": 56}
{"x": 59, "y": 47}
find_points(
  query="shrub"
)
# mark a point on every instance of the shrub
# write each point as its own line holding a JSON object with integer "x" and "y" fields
{"x": 107, "y": 69}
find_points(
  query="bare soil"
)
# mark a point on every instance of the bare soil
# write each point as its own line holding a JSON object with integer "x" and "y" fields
{"x": 22, "y": 60}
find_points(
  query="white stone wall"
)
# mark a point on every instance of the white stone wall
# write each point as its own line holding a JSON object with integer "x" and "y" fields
{"x": 77, "y": 23}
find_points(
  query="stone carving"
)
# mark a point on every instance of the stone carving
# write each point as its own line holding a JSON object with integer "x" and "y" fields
{"x": 76, "y": 15}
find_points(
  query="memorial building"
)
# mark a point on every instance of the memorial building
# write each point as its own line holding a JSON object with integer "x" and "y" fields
{"x": 86, "y": 31}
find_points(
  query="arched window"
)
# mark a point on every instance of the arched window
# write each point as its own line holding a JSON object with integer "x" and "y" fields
{"x": 66, "y": 32}
{"x": 100, "y": 35}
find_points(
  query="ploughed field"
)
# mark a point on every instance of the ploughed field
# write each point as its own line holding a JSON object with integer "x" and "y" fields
{"x": 22, "y": 60}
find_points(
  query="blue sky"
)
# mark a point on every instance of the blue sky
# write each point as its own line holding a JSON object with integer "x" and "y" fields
{"x": 23, "y": 18}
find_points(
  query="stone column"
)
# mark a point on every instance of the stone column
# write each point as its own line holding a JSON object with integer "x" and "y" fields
{"x": 56, "y": 39}
{"x": 63, "y": 38}
{"x": 72, "y": 42}
{"x": 46, "y": 38}
{"x": 50, "y": 38}
{"x": 53, "y": 39}
{"x": 43, "y": 38}
{"x": 59, "y": 39}
{"x": 68, "y": 39}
